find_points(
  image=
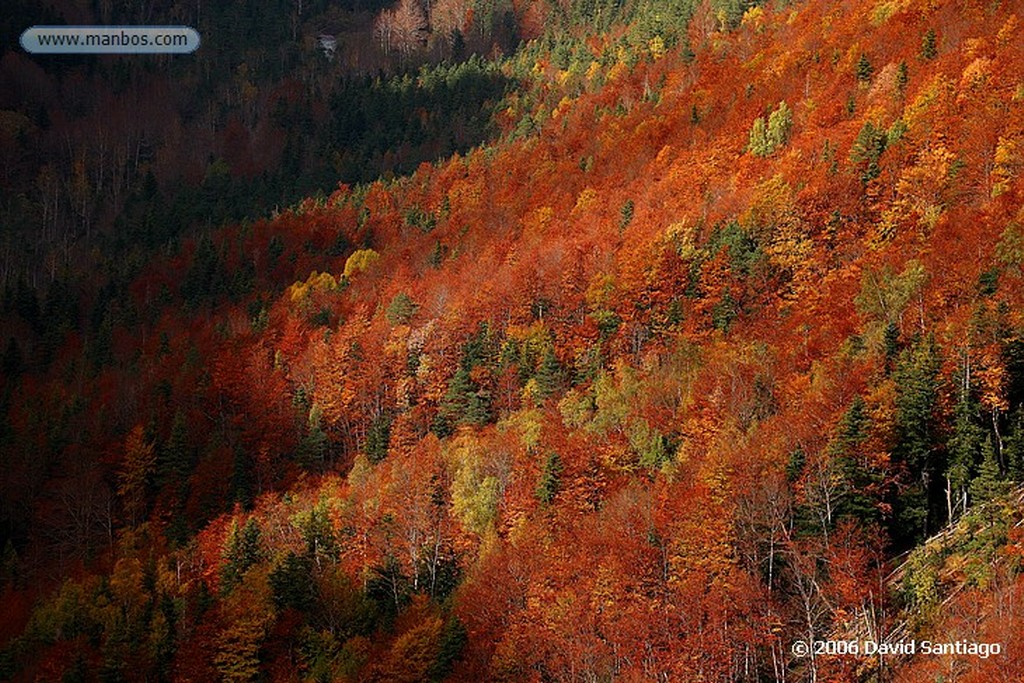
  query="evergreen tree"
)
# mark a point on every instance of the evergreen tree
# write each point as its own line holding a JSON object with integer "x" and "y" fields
{"x": 454, "y": 639}
{"x": 175, "y": 460}
{"x": 916, "y": 380}
{"x": 550, "y": 480}
{"x": 864, "y": 69}
{"x": 858, "y": 480}
{"x": 989, "y": 483}
{"x": 929, "y": 45}
{"x": 549, "y": 374}
{"x": 312, "y": 449}
{"x": 378, "y": 437}
{"x": 292, "y": 583}
{"x": 964, "y": 448}
{"x": 318, "y": 533}
{"x": 464, "y": 404}
{"x": 243, "y": 549}
{"x": 242, "y": 478}
{"x": 891, "y": 342}
{"x": 1013, "y": 446}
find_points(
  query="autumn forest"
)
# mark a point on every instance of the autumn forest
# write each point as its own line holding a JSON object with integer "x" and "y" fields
{"x": 514, "y": 340}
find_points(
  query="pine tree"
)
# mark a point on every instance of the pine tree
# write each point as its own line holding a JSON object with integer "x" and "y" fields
{"x": 464, "y": 404}
{"x": 135, "y": 475}
{"x": 243, "y": 549}
{"x": 549, "y": 374}
{"x": 964, "y": 448}
{"x": 378, "y": 437}
{"x": 864, "y": 69}
{"x": 989, "y": 483}
{"x": 929, "y": 45}
{"x": 550, "y": 480}
{"x": 916, "y": 380}
{"x": 175, "y": 461}
{"x": 312, "y": 450}
{"x": 858, "y": 479}
{"x": 1013, "y": 446}
{"x": 292, "y": 582}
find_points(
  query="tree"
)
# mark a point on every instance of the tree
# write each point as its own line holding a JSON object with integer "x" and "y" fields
{"x": 313, "y": 448}
{"x": 929, "y": 45}
{"x": 549, "y": 376}
{"x": 175, "y": 461}
{"x": 410, "y": 27}
{"x": 378, "y": 438}
{"x": 243, "y": 549}
{"x": 917, "y": 382}
{"x": 864, "y": 69}
{"x": 765, "y": 139}
{"x": 867, "y": 149}
{"x": 464, "y": 404}
{"x": 292, "y": 583}
{"x": 401, "y": 309}
{"x": 1014, "y": 448}
{"x": 137, "y": 469}
{"x": 780, "y": 124}
{"x": 989, "y": 483}
{"x": 550, "y": 479}
{"x": 964, "y": 447}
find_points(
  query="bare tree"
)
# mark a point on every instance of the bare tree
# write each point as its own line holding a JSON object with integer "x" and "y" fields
{"x": 384, "y": 29}
{"x": 410, "y": 27}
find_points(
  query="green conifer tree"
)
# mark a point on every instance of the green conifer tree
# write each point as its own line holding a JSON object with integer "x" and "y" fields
{"x": 989, "y": 483}
{"x": 550, "y": 479}
{"x": 243, "y": 549}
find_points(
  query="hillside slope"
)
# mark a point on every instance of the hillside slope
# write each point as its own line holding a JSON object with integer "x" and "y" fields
{"x": 650, "y": 391}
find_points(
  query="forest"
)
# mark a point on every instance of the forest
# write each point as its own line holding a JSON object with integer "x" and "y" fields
{"x": 542, "y": 340}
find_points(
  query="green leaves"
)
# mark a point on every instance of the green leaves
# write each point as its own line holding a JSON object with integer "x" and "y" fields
{"x": 766, "y": 139}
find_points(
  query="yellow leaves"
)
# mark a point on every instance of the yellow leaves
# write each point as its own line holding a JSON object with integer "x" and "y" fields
{"x": 773, "y": 219}
{"x": 527, "y": 424}
{"x": 939, "y": 89}
{"x": 656, "y": 47}
{"x": 600, "y": 291}
{"x": 576, "y": 408}
{"x": 563, "y": 106}
{"x": 248, "y": 614}
{"x": 585, "y": 199}
{"x": 618, "y": 70}
{"x": 921, "y": 188}
{"x": 754, "y": 19}
{"x": 975, "y": 77}
{"x": 316, "y": 282}
{"x": 138, "y": 465}
{"x": 594, "y": 71}
{"x": 413, "y": 653}
{"x": 536, "y": 223}
{"x": 360, "y": 260}
{"x": 684, "y": 237}
{"x": 1010, "y": 249}
{"x": 475, "y": 492}
{"x": 887, "y": 8}
{"x": 1008, "y": 159}
{"x": 1007, "y": 31}
{"x": 992, "y": 377}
